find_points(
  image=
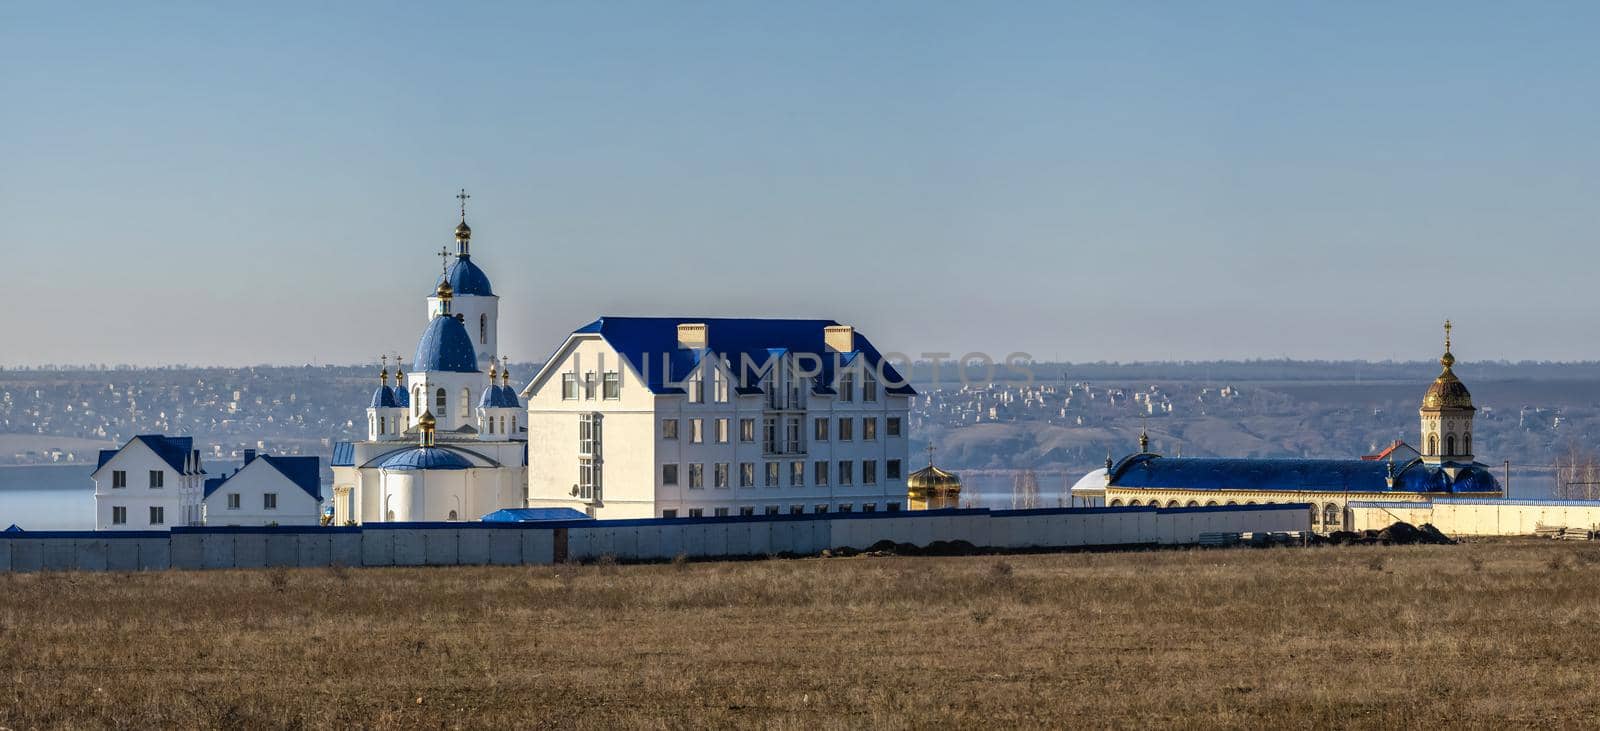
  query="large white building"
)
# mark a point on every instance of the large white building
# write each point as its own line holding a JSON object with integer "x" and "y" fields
{"x": 446, "y": 441}
{"x": 637, "y": 417}
{"x": 266, "y": 490}
{"x": 151, "y": 483}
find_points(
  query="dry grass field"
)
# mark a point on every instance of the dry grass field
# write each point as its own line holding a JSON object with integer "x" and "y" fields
{"x": 1474, "y": 635}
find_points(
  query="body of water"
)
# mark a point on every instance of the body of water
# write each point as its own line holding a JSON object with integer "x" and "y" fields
{"x": 47, "y": 497}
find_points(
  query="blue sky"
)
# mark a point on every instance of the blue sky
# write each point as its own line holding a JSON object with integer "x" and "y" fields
{"x": 268, "y": 182}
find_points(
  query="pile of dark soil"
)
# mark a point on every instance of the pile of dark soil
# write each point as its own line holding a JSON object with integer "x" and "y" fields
{"x": 1398, "y": 534}
{"x": 890, "y": 548}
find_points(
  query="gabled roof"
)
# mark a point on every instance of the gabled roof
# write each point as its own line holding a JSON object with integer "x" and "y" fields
{"x": 172, "y": 450}
{"x": 344, "y": 455}
{"x": 445, "y": 346}
{"x": 304, "y": 472}
{"x": 650, "y": 347}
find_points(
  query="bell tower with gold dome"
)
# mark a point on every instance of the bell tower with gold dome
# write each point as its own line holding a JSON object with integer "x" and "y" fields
{"x": 1447, "y": 413}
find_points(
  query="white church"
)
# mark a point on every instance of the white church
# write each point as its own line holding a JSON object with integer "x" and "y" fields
{"x": 446, "y": 441}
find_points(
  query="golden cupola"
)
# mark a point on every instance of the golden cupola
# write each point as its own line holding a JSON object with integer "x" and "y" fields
{"x": 931, "y": 488}
{"x": 1447, "y": 391}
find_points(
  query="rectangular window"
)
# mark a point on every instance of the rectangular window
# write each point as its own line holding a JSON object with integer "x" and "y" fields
{"x": 869, "y": 428}
{"x": 821, "y": 509}
{"x": 697, "y": 388}
{"x": 797, "y": 474}
{"x": 893, "y": 507}
{"x": 158, "y": 516}
{"x": 847, "y": 429}
{"x": 697, "y": 512}
{"x": 747, "y": 430}
{"x": 869, "y": 386}
{"x": 772, "y": 474}
{"x": 769, "y": 434}
{"x": 845, "y": 508}
{"x": 869, "y": 507}
{"x": 722, "y": 431}
{"x": 612, "y": 386}
{"x": 719, "y": 475}
{"x": 819, "y": 475}
{"x": 869, "y": 472}
{"x": 269, "y": 501}
{"x": 589, "y": 434}
{"x": 747, "y": 474}
{"x": 669, "y": 428}
{"x": 697, "y": 431}
{"x": 847, "y": 472}
{"x": 847, "y": 387}
{"x": 746, "y": 511}
{"x": 792, "y": 436}
{"x": 821, "y": 432}
{"x": 569, "y": 386}
{"x": 891, "y": 470}
{"x": 119, "y": 478}
{"x": 588, "y": 386}
{"x": 797, "y": 510}
{"x": 721, "y": 512}
{"x": 158, "y": 479}
{"x": 697, "y": 476}
{"x": 669, "y": 513}
{"x": 669, "y": 475}
{"x": 119, "y": 515}
{"x": 891, "y": 427}
{"x": 588, "y": 479}
{"x": 772, "y": 510}
{"x": 719, "y": 386}
{"x": 233, "y": 501}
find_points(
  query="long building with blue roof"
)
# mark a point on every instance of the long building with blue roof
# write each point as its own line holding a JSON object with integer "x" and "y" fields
{"x": 1444, "y": 466}
{"x": 663, "y": 417}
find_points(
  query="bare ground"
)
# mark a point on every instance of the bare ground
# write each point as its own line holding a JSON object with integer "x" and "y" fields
{"x": 1474, "y": 635}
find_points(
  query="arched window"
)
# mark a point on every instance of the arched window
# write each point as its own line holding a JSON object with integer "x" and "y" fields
{"x": 1116, "y": 503}
{"x": 1172, "y": 503}
{"x": 383, "y": 425}
{"x": 439, "y": 401}
{"x": 1133, "y": 503}
{"x": 452, "y": 515}
{"x": 1211, "y": 503}
{"x": 1331, "y": 516}
{"x": 1466, "y": 444}
{"x": 389, "y": 517}
{"x": 1315, "y": 514}
{"x": 1192, "y": 504}
{"x": 417, "y": 400}
{"x": 1249, "y": 502}
{"x": 1450, "y": 444}
{"x": 466, "y": 402}
{"x": 1230, "y": 502}
{"x": 1433, "y": 444}
{"x": 483, "y": 328}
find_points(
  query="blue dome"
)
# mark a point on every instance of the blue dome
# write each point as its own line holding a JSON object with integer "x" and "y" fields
{"x": 383, "y": 398}
{"x": 402, "y": 398}
{"x": 466, "y": 278}
{"x": 425, "y": 458}
{"x": 445, "y": 346}
{"x": 512, "y": 401}
{"x": 499, "y": 397}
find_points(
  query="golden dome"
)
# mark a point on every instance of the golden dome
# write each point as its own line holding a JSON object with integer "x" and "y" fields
{"x": 1447, "y": 391}
{"x": 445, "y": 291}
{"x": 932, "y": 477}
{"x": 427, "y": 421}
{"x": 463, "y": 231}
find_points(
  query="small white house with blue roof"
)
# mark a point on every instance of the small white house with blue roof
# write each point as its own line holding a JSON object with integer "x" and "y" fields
{"x": 266, "y": 490}
{"x": 662, "y": 417}
{"x": 152, "y": 482}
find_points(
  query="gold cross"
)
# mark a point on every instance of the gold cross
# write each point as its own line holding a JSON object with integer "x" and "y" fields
{"x": 1447, "y": 327}
{"x": 462, "y": 196}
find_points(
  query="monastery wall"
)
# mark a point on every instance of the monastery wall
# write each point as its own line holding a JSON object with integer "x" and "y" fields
{"x": 1480, "y": 517}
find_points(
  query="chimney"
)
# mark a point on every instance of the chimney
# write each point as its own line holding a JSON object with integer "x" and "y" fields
{"x": 839, "y": 338}
{"x": 691, "y": 335}
{"x": 249, "y": 456}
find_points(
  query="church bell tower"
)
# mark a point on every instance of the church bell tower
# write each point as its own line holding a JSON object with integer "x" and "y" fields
{"x": 1447, "y": 413}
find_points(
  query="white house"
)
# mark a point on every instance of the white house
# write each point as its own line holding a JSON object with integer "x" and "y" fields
{"x": 446, "y": 441}
{"x": 637, "y": 417}
{"x": 150, "y": 483}
{"x": 267, "y": 490}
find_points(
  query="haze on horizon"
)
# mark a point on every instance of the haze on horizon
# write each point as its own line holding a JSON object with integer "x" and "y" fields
{"x": 187, "y": 183}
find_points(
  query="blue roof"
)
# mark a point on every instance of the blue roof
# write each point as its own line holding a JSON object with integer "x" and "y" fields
{"x": 304, "y": 472}
{"x": 12, "y": 529}
{"x": 425, "y": 458}
{"x": 446, "y": 346}
{"x": 172, "y": 450}
{"x": 533, "y": 515}
{"x": 344, "y": 455}
{"x": 466, "y": 278}
{"x": 383, "y": 398}
{"x": 402, "y": 397}
{"x": 1310, "y": 475}
{"x": 650, "y": 345}
{"x": 499, "y": 397}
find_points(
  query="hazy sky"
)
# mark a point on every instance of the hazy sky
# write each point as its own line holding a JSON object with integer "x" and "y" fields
{"x": 268, "y": 182}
